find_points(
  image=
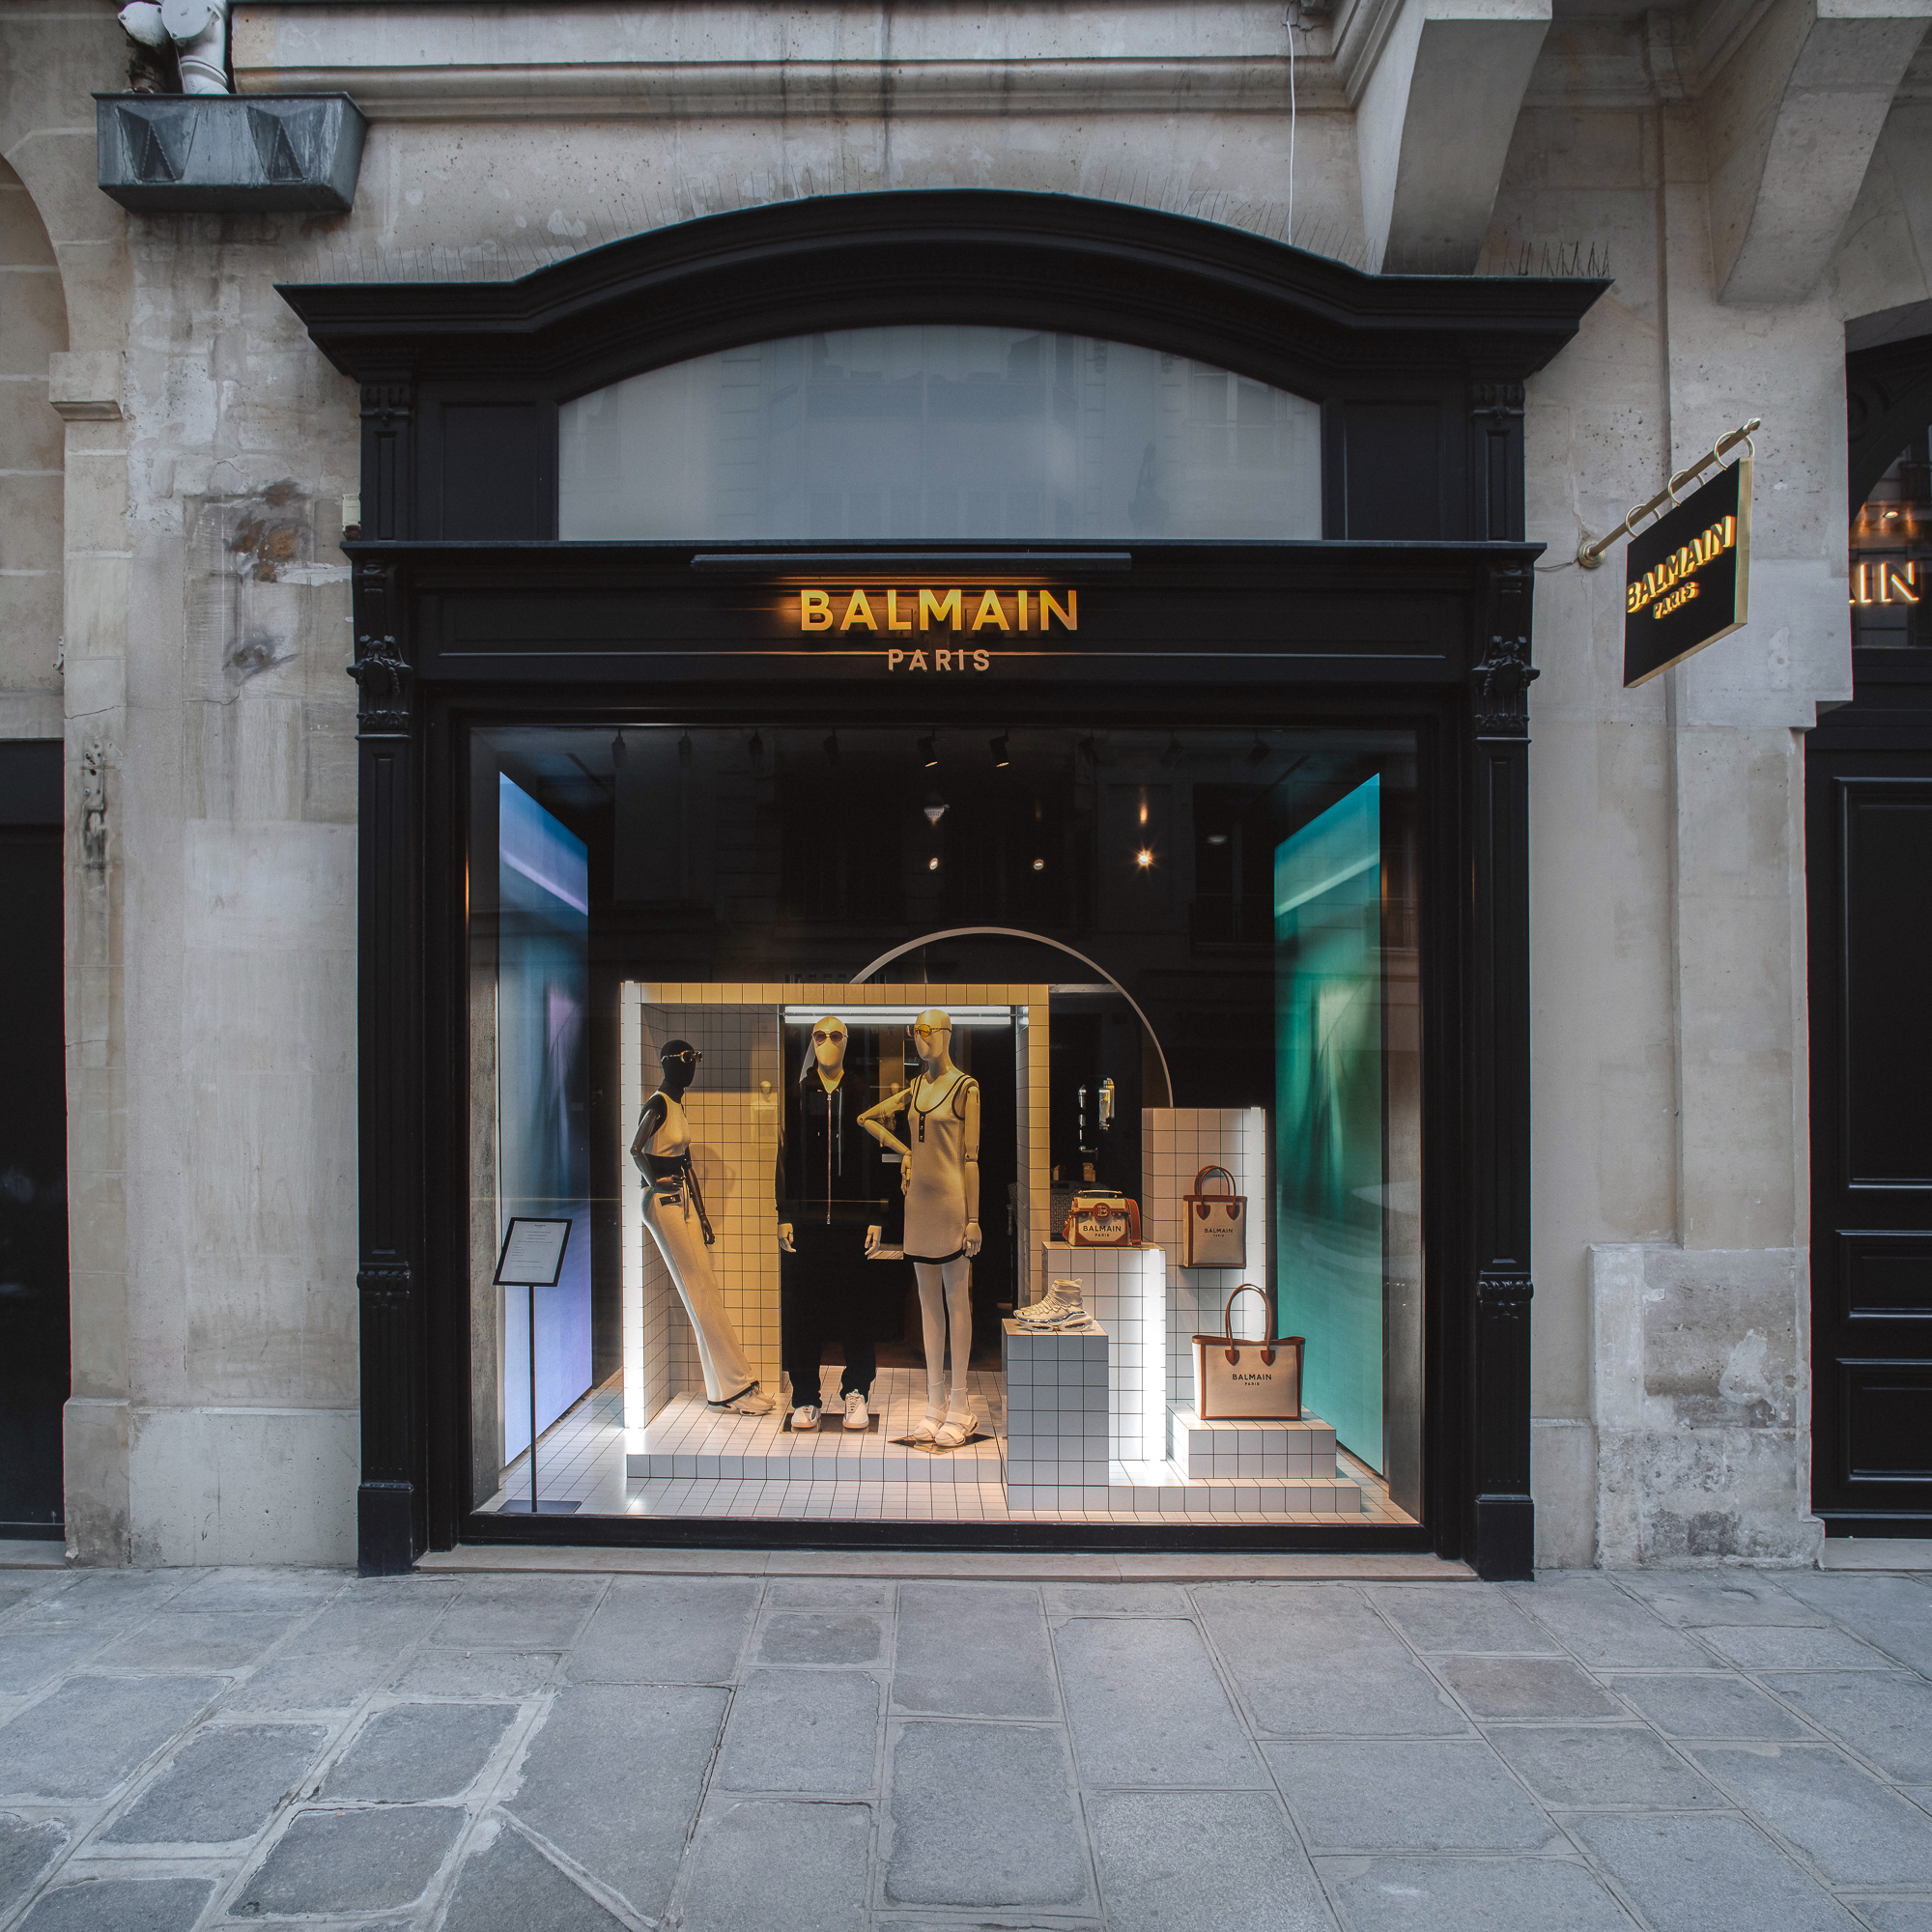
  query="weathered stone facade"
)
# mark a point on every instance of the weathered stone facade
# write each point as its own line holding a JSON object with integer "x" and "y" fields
{"x": 1756, "y": 175}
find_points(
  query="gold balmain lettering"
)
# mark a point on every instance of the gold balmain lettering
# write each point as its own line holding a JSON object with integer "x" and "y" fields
{"x": 1668, "y": 587}
{"x": 824, "y": 609}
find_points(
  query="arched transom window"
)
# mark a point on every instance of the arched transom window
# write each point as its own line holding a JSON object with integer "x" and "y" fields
{"x": 940, "y": 431}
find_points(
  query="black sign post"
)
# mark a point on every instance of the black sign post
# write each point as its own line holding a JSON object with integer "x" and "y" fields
{"x": 1688, "y": 576}
{"x": 532, "y": 1258}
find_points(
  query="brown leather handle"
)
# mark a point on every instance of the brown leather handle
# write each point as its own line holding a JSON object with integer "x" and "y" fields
{"x": 1222, "y": 1173}
{"x": 1228, "y": 1325}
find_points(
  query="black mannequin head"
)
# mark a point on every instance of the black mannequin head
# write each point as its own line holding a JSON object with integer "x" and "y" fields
{"x": 679, "y": 1059}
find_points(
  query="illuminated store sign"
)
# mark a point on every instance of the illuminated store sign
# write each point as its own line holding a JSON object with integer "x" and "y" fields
{"x": 1688, "y": 576}
{"x": 909, "y": 612}
{"x": 1886, "y": 581}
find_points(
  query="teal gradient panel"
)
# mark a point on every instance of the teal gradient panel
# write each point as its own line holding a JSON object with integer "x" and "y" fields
{"x": 1328, "y": 1110}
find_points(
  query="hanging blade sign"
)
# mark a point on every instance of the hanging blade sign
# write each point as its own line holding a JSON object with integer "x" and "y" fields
{"x": 1688, "y": 579}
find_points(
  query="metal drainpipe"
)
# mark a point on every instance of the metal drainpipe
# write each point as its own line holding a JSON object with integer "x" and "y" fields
{"x": 199, "y": 29}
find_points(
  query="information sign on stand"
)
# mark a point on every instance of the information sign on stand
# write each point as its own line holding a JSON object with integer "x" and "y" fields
{"x": 1688, "y": 581}
{"x": 532, "y": 1258}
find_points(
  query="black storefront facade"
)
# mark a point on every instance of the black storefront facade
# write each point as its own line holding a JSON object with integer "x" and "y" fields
{"x": 1408, "y": 617}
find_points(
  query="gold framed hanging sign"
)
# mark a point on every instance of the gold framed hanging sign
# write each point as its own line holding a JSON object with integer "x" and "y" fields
{"x": 1687, "y": 577}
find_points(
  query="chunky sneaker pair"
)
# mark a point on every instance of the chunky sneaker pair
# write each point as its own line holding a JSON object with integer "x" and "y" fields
{"x": 1061, "y": 1306}
{"x": 752, "y": 1400}
{"x": 804, "y": 1418}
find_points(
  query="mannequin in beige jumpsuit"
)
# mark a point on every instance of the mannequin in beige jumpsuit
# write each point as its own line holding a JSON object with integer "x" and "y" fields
{"x": 939, "y": 1173}
{"x": 674, "y": 1213}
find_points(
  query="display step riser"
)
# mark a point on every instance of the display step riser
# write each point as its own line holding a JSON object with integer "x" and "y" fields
{"x": 1164, "y": 1487}
{"x": 981, "y": 1463}
{"x": 1248, "y": 1451}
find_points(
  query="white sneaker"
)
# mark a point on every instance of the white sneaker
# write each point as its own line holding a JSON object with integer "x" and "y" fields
{"x": 1060, "y": 1307}
{"x": 750, "y": 1401}
{"x": 805, "y": 1420}
{"x": 857, "y": 1414}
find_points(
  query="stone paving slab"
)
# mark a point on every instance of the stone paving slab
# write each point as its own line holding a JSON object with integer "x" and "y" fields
{"x": 864, "y": 1748}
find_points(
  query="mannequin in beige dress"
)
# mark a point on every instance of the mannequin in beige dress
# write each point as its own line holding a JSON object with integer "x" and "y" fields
{"x": 674, "y": 1213}
{"x": 939, "y": 1173}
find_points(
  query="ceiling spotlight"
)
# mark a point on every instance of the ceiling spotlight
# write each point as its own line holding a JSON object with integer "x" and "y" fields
{"x": 935, "y": 809}
{"x": 756, "y": 747}
{"x": 929, "y": 750}
{"x": 1217, "y": 837}
{"x": 832, "y": 749}
{"x": 999, "y": 747}
{"x": 932, "y": 864}
{"x": 619, "y": 751}
{"x": 1040, "y": 865}
{"x": 684, "y": 748}
{"x": 1144, "y": 858}
{"x": 1258, "y": 751}
{"x": 1172, "y": 756}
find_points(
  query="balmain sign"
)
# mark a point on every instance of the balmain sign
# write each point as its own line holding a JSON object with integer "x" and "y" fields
{"x": 1688, "y": 576}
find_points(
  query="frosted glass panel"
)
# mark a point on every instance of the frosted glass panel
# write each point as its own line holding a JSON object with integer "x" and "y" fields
{"x": 938, "y": 431}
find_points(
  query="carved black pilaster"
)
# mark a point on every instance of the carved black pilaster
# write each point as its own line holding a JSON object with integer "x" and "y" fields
{"x": 1495, "y": 461}
{"x": 389, "y": 458}
{"x": 390, "y": 1513}
{"x": 1498, "y": 1128}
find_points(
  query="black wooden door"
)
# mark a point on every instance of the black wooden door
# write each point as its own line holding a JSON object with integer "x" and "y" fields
{"x": 1870, "y": 882}
{"x": 33, "y": 1145}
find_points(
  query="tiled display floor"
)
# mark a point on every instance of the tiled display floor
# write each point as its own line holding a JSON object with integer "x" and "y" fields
{"x": 583, "y": 1459}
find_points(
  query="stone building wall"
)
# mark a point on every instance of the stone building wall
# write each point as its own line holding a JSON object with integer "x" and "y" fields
{"x": 210, "y": 728}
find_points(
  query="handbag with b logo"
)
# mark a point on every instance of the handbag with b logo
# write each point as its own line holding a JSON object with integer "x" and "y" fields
{"x": 1216, "y": 1224}
{"x": 1102, "y": 1217}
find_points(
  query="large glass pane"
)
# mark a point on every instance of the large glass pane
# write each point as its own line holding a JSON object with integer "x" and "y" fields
{"x": 1192, "y": 974}
{"x": 940, "y": 431}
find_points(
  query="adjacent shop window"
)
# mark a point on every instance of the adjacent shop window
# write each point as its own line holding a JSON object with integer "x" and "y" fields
{"x": 938, "y": 431}
{"x": 1891, "y": 556}
{"x": 1195, "y": 989}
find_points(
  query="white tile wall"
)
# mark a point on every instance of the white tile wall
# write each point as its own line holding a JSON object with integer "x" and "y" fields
{"x": 1059, "y": 1438}
{"x": 1125, "y": 1291}
{"x": 733, "y": 1109}
{"x": 1175, "y": 1143}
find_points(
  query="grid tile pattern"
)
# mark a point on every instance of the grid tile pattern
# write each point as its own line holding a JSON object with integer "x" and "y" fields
{"x": 734, "y": 1118}
{"x": 1243, "y": 1448}
{"x": 1166, "y": 1488}
{"x": 692, "y": 1441}
{"x": 583, "y": 1458}
{"x": 1175, "y": 1143}
{"x": 1125, "y": 1291}
{"x": 1058, "y": 1433}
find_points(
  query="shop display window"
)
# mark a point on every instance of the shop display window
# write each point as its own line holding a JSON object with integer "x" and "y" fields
{"x": 1890, "y": 560}
{"x": 819, "y": 1038}
{"x": 940, "y": 431}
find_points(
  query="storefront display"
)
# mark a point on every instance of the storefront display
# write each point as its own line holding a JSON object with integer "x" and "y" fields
{"x": 1102, "y": 645}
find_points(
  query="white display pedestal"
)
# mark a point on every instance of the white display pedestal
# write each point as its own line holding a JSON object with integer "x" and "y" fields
{"x": 1059, "y": 1438}
{"x": 1125, "y": 1291}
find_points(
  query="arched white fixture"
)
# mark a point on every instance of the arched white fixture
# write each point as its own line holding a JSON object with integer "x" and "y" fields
{"x": 859, "y": 979}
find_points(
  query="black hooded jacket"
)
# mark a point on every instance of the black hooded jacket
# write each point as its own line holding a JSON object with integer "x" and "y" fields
{"x": 830, "y": 1173}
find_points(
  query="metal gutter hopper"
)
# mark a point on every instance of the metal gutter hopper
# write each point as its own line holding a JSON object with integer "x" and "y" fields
{"x": 224, "y": 153}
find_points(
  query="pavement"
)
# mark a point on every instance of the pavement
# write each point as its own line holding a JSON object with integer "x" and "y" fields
{"x": 557, "y": 1751}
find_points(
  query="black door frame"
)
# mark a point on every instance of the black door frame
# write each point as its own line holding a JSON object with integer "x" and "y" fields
{"x": 461, "y": 381}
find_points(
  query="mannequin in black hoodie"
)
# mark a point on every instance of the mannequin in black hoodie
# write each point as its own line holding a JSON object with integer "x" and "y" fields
{"x": 831, "y": 1203}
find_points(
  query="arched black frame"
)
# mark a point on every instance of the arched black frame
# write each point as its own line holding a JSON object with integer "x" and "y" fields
{"x": 1416, "y": 607}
